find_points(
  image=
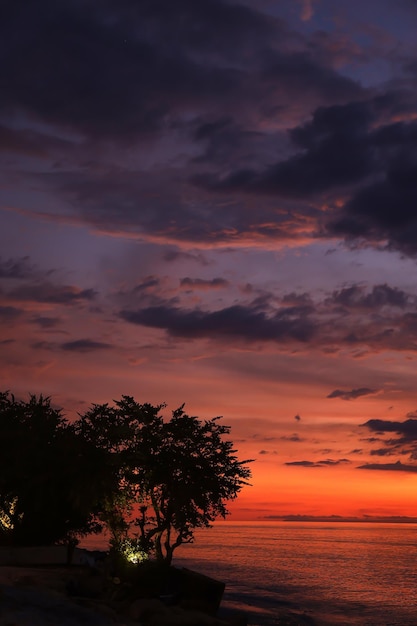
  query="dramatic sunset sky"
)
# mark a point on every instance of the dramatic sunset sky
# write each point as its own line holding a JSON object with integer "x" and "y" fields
{"x": 215, "y": 202}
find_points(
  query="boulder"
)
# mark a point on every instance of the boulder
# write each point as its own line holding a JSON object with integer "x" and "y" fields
{"x": 200, "y": 592}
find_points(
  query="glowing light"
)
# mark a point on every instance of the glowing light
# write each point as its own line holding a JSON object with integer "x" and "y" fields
{"x": 132, "y": 551}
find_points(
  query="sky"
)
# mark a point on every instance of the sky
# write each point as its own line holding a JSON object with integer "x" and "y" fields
{"x": 215, "y": 203}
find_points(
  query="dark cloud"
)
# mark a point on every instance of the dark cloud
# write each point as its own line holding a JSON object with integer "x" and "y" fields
{"x": 249, "y": 128}
{"x": 324, "y": 463}
{"x": 376, "y": 318}
{"x": 352, "y": 394}
{"x": 348, "y": 146}
{"x": 46, "y": 322}
{"x": 294, "y": 438}
{"x": 54, "y": 294}
{"x": 117, "y": 69}
{"x": 384, "y": 210}
{"x": 85, "y": 345}
{"x": 147, "y": 283}
{"x": 371, "y": 439}
{"x": 297, "y": 299}
{"x": 358, "y": 297}
{"x": 9, "y": 313}
{"x": 390, "y": 467}
{"x": 303, "y": 463}
{"x": 199, "y": 283}
{"x": 332, "y": 462}
{"x": 20, "y": 268}
{"x": 178, "y": 255}
{"x": 404, "y": 444}
{"x": 334, "y": 152}
{"x": 207, "y": 79}
{"x": 237, "y": 321}
{"x": 407, "y": 429}
{"x": 383, "y": 452}
{"x": 28, "y": 142}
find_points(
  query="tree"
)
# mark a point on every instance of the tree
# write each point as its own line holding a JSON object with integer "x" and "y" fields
{"x": 122, "y": 465}
{"x": 176, "y": 475}
{"x": 44, "y": 495}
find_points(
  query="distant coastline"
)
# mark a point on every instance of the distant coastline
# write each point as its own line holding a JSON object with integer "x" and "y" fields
{"x": 392, "y": 519}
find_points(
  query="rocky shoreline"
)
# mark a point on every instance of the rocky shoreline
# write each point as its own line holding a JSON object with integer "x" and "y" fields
{"x": 57, "y": 595}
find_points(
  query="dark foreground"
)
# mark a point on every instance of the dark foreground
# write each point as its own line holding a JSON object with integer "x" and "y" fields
{"x": 52, "y": 596}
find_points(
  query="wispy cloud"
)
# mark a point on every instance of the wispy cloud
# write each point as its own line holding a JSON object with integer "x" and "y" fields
{"x": 390, "y": 467}
{"x": 352, "y": 394}
{"x": 322, "y": 463}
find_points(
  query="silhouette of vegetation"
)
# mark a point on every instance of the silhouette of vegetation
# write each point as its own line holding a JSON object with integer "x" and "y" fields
{"x": 149, "y": 480}
{"x": 174, "y": 475}
{"x": 44, "y": 495}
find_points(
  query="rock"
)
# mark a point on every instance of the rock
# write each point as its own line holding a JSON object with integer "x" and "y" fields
{"x": 177, "y": 616}
{"x": 141, "y": 609}
{"x": 86, "y": 584}
{"x": 152, "y": 612}
{"x": 200, "y": 592}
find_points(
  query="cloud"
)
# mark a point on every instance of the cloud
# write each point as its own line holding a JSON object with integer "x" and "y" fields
{"x": 199, "y": 283}
{"x": 357, "y": 297}
{"x": 351, "y": 148}
{"x": 150, "y": 281}
{"x": 31, "y": 143}
{"x": 294, "y": 438}
{"x": 149, "y": 62}
{"x": 404, "y": 444}
{"x": 181, "y": 95}
{"x": 323, "y": 463}
{"x": 238, "y": 321}
{"x": 332, "y": 152}
{"x": 381, "y": 210}
{"x": 218, "y": 130}
{"x": 54, "y": 294}
{"x": 85, "y": 345}
{"x": 408, "y": 428}
{"x": 390, "y": 467}
{"x": 9, "y": 313}
{"x": 19, "y": 268}
{"x": 269, "y": 318}
{"x": 46, "y": 322}
{"x": 180, "y": 255}
{"x": 383, "y": 452}
{"x": 303, "y": 463}
{"x": 352, "y": 394}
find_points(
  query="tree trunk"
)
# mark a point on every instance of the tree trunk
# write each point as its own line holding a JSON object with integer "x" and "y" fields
{"x": 158, "y": 548}
{"x": 168, "y": 555}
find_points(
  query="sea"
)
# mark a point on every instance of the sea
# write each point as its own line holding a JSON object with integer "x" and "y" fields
{"x": 337, "y": 573}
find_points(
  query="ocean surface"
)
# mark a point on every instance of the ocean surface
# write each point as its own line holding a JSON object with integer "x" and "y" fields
{"x": 341, "y": 574}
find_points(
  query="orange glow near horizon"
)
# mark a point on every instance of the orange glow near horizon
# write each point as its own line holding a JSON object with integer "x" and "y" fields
{"x": 226, "y": 221}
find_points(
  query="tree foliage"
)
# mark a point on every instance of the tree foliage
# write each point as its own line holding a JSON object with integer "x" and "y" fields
{"x": 150, "y": 480}
{"x": 176, "y": 475}
{"x": 44, "y": 495}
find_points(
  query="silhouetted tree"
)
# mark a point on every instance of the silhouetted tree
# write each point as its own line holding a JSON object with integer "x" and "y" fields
{"x": 51, "y": 481}
{"x": 176, "y": 475}
{"x": 123, "y": 465}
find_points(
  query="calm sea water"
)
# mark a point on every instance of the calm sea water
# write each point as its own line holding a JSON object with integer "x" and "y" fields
{"x": 364, "y": 574}
{"x": 340, "y": 573}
